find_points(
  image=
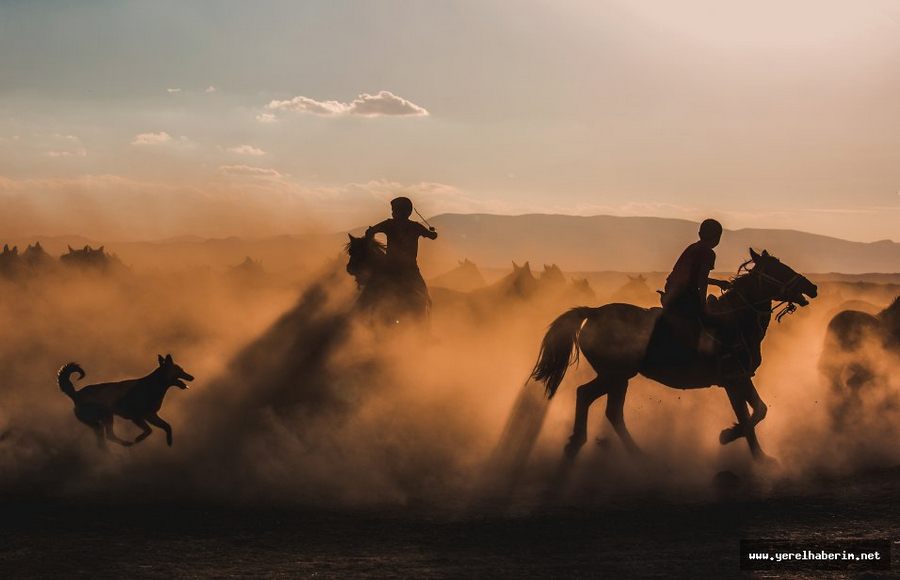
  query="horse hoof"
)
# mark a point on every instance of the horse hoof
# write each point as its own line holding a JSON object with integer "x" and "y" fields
{"x": 767, "y": 461}
{"x": 728, "y": 435}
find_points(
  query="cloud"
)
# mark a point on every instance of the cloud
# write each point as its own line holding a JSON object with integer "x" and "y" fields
{"x": 151, "y": 138}
{"x": 210, "y": 89}
{"x": 266, "y": 118}
{"x": 173, "y": 91}
{"x": 247, "y": 150}
{"x": 248, "y": 171}
{"x": 383, "y": 104}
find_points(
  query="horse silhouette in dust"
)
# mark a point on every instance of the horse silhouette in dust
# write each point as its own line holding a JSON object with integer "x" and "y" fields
{"x": 853, "y": 356}
{"x": 385, "y": 296}
{"x": 138, "y": 400}
{"x": 614, "y": 339}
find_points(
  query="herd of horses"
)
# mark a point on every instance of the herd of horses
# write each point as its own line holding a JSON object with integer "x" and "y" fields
{"x": 35, "y": 260}
{"x": 613, "y": 338}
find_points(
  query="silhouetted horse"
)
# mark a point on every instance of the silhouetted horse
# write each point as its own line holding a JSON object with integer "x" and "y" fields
{"x": 614, "y": 340}
{"x": 89, "y": 258}
{"x": 387, "y": 295}
{"x": 464, "y": 278}
{"x": 10, "y": 261}
{"x": 136, "y": 399}
{"x": 855, "y": 343}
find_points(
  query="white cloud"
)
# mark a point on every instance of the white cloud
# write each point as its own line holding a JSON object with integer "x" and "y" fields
{"x": 266, "y": 118}
{"x": 248, "y": 171}
{"x": 173, "y": 91}
{"x": 210, "y": 89}
{"x": 383, "y": 104}
{"x": 247, "y": 150}
{"x": 151, "y": 138}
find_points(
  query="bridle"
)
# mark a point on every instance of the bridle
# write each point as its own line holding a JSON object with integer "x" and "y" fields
{"x": 783, "y": 287}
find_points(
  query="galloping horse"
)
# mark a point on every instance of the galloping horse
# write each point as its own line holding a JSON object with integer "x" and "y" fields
{"x": 614, "y": 340}
{"x": 385, "y": 296}
{"x": 855, "y": 343}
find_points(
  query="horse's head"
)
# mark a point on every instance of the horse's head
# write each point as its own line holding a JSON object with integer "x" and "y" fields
{"x": 364, "y": 255}
{"x": 779, "y": 281}
{"x": 173, "y": 374}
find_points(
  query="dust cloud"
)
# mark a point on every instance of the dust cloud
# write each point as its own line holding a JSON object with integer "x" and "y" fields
{"x": 296, "y": 401}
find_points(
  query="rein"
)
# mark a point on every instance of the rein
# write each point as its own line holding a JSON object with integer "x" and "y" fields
{"x": 789, "y": 307}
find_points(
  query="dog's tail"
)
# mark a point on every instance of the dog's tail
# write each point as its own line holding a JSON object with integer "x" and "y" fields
{"x": 65, "y": 381}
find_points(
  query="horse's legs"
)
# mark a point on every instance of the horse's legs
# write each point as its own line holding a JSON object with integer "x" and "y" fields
{"x": 155, "y": 420}
{"x": 586, "y": 395}
{"x": 751, "y": 396}
{"x": 615, "y": 412}
{"x": 143, "y": 425}
{"x": 744, "y": 427}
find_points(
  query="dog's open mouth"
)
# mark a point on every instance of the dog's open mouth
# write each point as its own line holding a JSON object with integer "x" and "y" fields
{"x": 182, "y": 384}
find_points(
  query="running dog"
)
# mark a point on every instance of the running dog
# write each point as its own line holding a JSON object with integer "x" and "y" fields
{"x": 138, "y": 400}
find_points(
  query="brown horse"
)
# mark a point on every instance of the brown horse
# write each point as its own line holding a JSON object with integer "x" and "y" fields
{"x": 614, "y": 340}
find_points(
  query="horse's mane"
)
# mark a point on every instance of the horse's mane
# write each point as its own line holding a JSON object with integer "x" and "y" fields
{"x": 891, "y": 314}
{"x": 378, "y": 245}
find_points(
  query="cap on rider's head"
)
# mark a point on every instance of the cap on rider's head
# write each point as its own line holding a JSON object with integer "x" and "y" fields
{"x": 710, "y": 231}
{"x": 402, "y": 207}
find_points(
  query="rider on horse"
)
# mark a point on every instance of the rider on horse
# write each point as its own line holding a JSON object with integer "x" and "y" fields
{"x": 402, "y": 247}
{"x": 685, "y": 303}
{"x": 685, "y": 292}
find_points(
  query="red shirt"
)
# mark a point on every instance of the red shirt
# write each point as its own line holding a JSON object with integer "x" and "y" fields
{"x": 691, "y": 271}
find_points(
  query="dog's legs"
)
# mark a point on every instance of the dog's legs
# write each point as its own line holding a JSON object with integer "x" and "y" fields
{"x": 143, "y": 425}
{"x": 110, "y": 434}
{"x": 98, "y": 431}
{"x": 156, "y": 421}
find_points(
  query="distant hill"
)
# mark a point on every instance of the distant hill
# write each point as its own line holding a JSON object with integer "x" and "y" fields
{"x": 632, "y": 244}
{"x": 575, "y": 243}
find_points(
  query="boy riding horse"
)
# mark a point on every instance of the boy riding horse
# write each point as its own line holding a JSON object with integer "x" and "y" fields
{"x": 402, "y": 248}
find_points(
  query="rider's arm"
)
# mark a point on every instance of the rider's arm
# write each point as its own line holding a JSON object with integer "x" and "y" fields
{"x": 723, "y": 284}
{"x": 429, "y": 233}
{"x": 379, "y": 228}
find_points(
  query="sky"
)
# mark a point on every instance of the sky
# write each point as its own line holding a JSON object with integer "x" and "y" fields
{"x": 140, "y": 119}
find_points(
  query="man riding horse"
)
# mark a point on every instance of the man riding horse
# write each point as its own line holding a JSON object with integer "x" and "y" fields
{"x": 402, "y": 249}
{"x": 693, "y": 325}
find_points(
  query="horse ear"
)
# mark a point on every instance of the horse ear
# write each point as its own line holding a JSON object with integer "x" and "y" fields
{"x": 169, "y": 358}
{"x": 70, "y": 248}
{"x": 754, "y": 255}
{"x": 160, "y": 358}
{"x": 765, "y": 253}
{"x": 515, "y": 266}
{"x": 351, "y": 237}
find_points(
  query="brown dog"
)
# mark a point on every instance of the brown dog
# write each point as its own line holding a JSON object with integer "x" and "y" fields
{"x": 138, "y": 400}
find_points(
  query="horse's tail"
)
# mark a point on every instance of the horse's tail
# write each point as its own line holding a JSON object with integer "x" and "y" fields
{"x": 65, "y": 381}
{"x": 559, "y": 348}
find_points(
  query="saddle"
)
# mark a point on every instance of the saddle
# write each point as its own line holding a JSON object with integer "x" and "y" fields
{"x": 702, "y": 338}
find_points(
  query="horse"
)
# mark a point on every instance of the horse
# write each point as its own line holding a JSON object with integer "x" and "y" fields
{"x": 855, "y": 345}
{"x": 614, "y": 339}
{"x": 387, "y": 295}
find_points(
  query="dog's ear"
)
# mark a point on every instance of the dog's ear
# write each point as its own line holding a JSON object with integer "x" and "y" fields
{"x": 161, "y": 360}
